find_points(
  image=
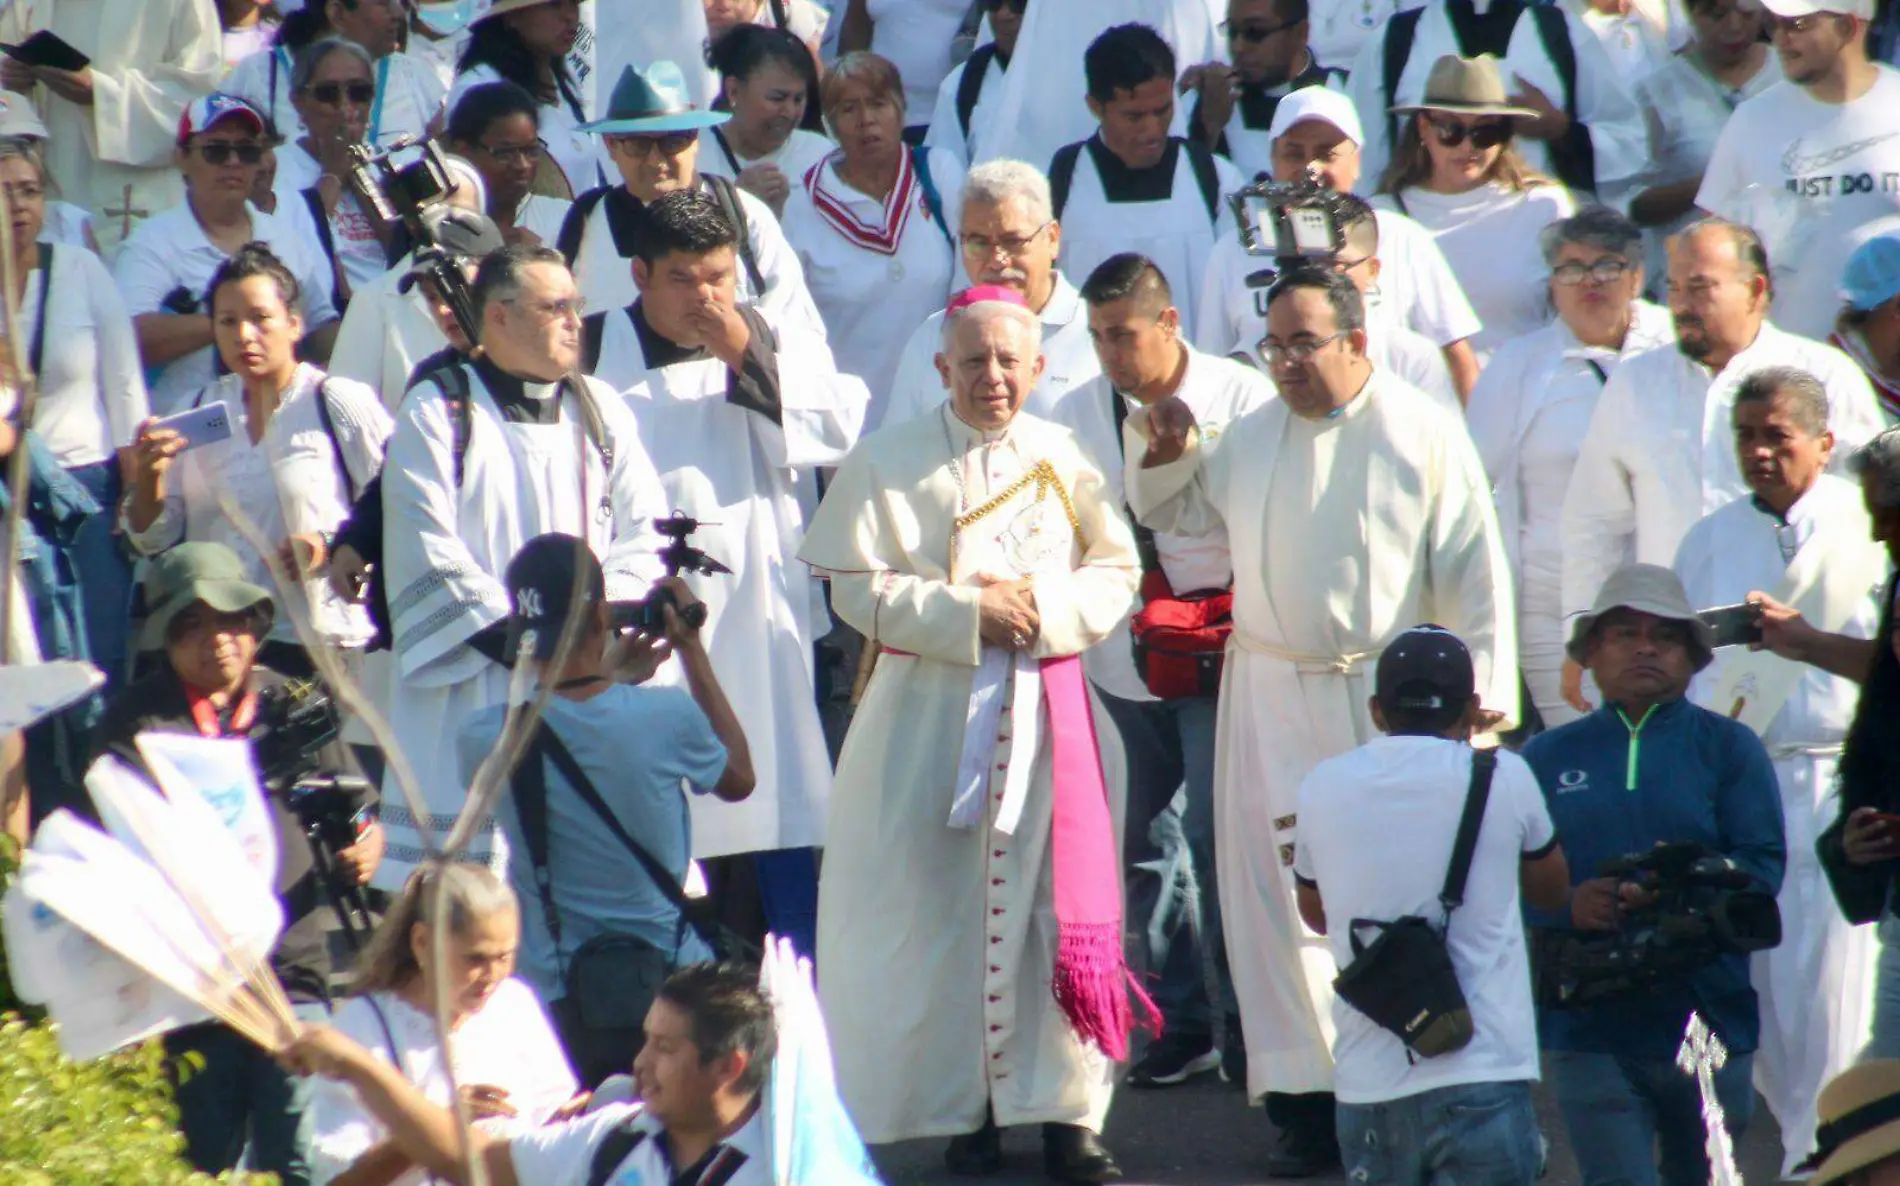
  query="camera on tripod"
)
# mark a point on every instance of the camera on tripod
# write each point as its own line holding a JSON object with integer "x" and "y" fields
{"x": 648, "y": 615}
{"x": 1290, "y": 223}
{"x": 1703, "y": 907}
{"x": 409, "y": 184}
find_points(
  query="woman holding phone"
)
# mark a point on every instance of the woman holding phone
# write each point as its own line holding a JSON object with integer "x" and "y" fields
{"x": 274, "y": 441}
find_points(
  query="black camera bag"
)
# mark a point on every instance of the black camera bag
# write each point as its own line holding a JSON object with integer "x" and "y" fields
{"x": 1404, "y": 979}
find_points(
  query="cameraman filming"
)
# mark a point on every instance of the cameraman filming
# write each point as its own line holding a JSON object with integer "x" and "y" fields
{"x": 1650, "y": 768}
{"x": 210, "y": 622}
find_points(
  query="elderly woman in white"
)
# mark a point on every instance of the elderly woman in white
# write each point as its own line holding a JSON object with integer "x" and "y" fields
{"x": 872, "y": 225}
{"x": 1532, "y": 406}
{"x": 300, "y": 447}
{"x": 506, "y": 1059}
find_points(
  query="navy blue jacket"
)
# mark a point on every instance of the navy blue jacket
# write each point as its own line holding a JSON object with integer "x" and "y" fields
{"x": 1618, "y": 787}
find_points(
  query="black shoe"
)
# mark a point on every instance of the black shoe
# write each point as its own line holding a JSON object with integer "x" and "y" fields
{"x": 1172, "y": 1059}
{"x": 976, "y": 1154}
{"x": 1303, "y": 1152}
{"x": 1233, "y": 1056}
{"x": 1074, "y": 1154}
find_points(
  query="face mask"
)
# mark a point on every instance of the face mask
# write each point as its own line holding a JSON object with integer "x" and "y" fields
{"x": 445, "y": 18}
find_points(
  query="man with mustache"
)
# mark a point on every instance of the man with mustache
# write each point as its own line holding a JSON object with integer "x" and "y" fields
{"x": 1658, "y": 454}
{"x": 1802, "y": 538}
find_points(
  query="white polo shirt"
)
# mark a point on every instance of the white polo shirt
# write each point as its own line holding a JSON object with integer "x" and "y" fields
{"x": 562, "y": 1154}
{"x": 1375, "y": 833}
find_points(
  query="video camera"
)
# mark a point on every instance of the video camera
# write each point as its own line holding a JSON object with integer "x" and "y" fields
{"x": 648, "y": 615}
{"x": 1290, "y": 223}
{"x": 1703, "y": 907}
{"x": 409, "y": 184}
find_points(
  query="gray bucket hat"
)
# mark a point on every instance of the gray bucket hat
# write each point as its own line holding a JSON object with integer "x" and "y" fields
{"x": 1649, "y": 589}
{"x": 207, "y": 572}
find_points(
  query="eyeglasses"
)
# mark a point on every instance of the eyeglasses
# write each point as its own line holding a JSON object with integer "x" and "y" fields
{"x": 25, "y": 191}
{"x": 1797, "y": 25}
{"x": 219, "y": 152}
{"x": 633, "y": 144}
{"x": 1016, "y": 6}
{"x": 1253, "y": 34}
{"x": 332, "y": 94}
{"x": 1295, "y": 352}
{"x": 982, "y": 246}
{"x": 1453, "y": 132}
{"x": 1604, "y": 271}
{"x": 516, "y": 154}
{"x": 575, "y": 307}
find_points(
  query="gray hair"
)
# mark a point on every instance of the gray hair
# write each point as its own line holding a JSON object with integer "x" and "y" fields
{"x": 1593, "y": 226}
{"x": 983, "y": 310}
{"x": 23, "y": 148}
{"x": 315, "y": 53}
{"x": 1880, "y": 458}
{"x": 471, "y": 893}
{"x": 994, "y": 182}
{"x": 1807, "y": 399}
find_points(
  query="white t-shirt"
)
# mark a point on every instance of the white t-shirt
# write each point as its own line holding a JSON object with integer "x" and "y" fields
{"x": 1805, "y": 174}
{"x": 352, "y": 231}
{"x": 1376, "y": 827}
{"x": 170, "y": 251}
{"x": 1489, "y": 237}
{"x": 92, "y": 387}
{"x": 562, "y": 1154}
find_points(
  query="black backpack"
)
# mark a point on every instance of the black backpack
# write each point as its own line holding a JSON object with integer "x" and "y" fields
{"x": 568, "y": 242}
{"x": 445, "y": 369}
{"x": 970, "y": 86}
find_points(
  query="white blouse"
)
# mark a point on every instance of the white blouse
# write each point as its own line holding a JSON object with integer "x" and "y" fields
{"x": 800, "y": 153}
{"x": 92, "y": 384}
{"x": 507, "y": 1044}
{"x": 580, "y": 154}
{"x": 291, "y": 482}
{"x": 352, "y": 231}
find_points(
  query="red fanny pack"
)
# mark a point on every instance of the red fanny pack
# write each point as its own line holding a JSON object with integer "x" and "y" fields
{"x": 1181, "y": 642}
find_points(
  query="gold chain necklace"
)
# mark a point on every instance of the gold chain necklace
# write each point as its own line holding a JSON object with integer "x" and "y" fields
{"x": 1042, "y": 476}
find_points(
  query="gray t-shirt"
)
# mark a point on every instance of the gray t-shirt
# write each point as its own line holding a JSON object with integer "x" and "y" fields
{"x": 642, "y": 747}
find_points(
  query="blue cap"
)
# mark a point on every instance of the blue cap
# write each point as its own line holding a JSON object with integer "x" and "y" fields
{"x": 653, "y": 102}
{"x": 1872, "y": 276}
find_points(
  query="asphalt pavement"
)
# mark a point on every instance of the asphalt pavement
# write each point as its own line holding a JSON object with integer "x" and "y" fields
{"x": 1202, "y": 1133}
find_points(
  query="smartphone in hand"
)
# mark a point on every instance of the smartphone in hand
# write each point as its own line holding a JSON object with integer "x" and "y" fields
{"x": 200, "y": 425}
{"x": 1734, "y": 625}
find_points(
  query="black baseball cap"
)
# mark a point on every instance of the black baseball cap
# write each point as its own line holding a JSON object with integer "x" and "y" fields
{"x": 1425, "y": 670}
{"x": 540, "y": 581}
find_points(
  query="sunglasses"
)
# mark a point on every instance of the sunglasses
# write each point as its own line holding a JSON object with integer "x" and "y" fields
{"x": 672, "y": 143}
{"x": 1252, "y": 34}
{"x": 332, "y": 93}
{"x": 219, "y": 153}
{"x": 1453, "y": 132}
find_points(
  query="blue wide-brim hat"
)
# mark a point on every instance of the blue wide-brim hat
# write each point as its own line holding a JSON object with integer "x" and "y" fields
{"x": 654, "y": 102}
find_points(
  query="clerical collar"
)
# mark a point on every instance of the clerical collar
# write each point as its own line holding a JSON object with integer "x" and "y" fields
{"x": 1123, "y": 183}
{"x": 658, "y": 349}
{"x": 965, "y": 435}
{"x": 1257, "y": 104}
{"x": 522, "y": 401}
{"x": 1483, "y": 30}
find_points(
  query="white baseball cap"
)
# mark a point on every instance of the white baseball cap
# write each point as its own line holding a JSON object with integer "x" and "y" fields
{"x": 17, "y": 117}
{"x": 1792, "y": 9}
{"x": 1320, "y": 103}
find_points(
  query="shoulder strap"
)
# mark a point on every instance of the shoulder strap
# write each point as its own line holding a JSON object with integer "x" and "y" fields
{"x": 1400, "y": 32}
{"x": 1572, "y": 158}
{"x": 327, "y": 419}
{"x": 1062, "y": 175}
{"x": 970, "y": 86}
{"x": 596, "y": 428}
{"x": 530, "y": 786}
{"x": 1144, "y": 538}
{"x": 1201, "y": 160}
{"x": 779, "y": 16}
{"x": 1484, "y": 763}
{"x": 568, "y": 240}
{"x": 452, "y": 382}
{"x": 36, "y": 352}
{"x": 325, "y": 239}
{"x": 389, "y": 1035}
{"x": 619, "y": 1143}
{"x": 933, "y": 201}
{"x": 593, "y": 330}
{"x": 727, "y": 195}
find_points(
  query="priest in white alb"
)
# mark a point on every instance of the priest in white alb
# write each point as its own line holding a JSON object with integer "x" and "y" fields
{"x": 488, "y": 454}
{"x": 738, "y": 408}
{"x": 1355, "y": 507}
{"x": 1801, "y": 538}
{"x": 969, "y": 916}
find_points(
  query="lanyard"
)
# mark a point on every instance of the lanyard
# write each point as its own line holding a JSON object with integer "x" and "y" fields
{"x": 1636, "y": 738}
{"x": 205, "y": 715}
{"x": 376, "y": 106}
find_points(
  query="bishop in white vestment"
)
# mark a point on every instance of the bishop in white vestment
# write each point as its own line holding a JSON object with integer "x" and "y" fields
{"x": 1356, "y": 508}
{"x": 482, "y": 461}
{"x": 735, "y": 447}
{"x": 981, "y": 551}
{"x": 1802, "y": 536}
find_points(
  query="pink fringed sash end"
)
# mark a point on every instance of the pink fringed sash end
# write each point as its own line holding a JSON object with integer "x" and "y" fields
{"x": 1096, "y": 992}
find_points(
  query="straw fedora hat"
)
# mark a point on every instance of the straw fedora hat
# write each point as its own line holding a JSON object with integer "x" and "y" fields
{"x": 1859, "y": 1114}
{"x": 1468, "y": 86}
{"x": 1649, "y": 589}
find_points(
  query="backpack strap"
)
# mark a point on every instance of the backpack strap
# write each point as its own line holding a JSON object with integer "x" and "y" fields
{"x": 619, "y": 1143}
{"x": 36, "y": 352}
{"x": 568, "y": 241}
{"x": 1400, "y": 32}
{"x": 325, "y": 239}
{"x": 452, "y": 381}
{"x": 327, "y": 419}
{"x": 1062, "y": 175}
{"x": 780, "y": 17}
{"x": 1573, "y": 157}
{"x": 970, "y": 86}
{"x": 933, "y": 201}
{"x": 593, "y": 330}
{"x": 1484, "y": 763}
{"x": 726, "y": 194}
{"x": 1201, "y": 160}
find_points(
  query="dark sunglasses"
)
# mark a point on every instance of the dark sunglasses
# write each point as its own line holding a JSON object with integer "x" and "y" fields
{"x": 1451, "y": 132}
{"x": 1016, "y": 6}
{"x": 671, "y": 143}
{"x": 332, "y": 93}
{"x": 1252, "y": 34}
{"x": 217, "y": 153}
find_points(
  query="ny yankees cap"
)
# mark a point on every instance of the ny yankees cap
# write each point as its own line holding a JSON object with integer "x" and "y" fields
{"x": 1426, "y": 669}
{"x": 1324, "y": 104}
{"x": 202, "y": 114}
{"x": 1793, "y": 9}
{"x": 540, "y": 581}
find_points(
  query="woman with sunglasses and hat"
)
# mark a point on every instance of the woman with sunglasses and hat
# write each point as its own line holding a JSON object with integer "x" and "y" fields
{"x": 527, "y": 42}
{"x": 1458, "y": 174}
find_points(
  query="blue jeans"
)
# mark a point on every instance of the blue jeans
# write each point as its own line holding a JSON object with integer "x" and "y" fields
{"x": 1168, "y": 850}
{"x": 1885, "y": 1042}
{"x": 1638, "y": 1121}
{"x": 237, "y": 1106}
{"x": 1474, "y": 1134}
{"x": 105, "y": 572}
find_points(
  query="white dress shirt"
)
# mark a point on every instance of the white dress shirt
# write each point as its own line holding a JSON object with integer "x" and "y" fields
{"x": 92, "y": 385}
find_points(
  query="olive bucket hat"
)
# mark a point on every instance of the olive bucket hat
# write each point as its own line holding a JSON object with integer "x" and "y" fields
{"x": 188, "y": 573}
